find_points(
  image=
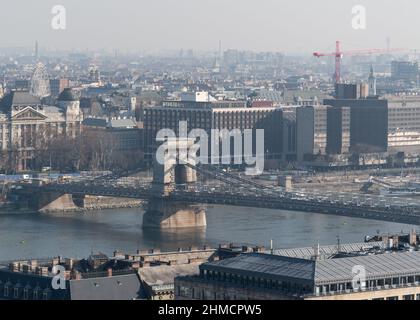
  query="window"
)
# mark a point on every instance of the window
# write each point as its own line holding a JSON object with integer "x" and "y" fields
{"x": 408, "y": 297}
{"x": 26, "y": 294}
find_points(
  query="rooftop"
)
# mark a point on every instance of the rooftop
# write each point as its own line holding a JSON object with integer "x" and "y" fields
{"x": 337, "y": 270}
{"x": 327, "y": 251}
{"x": 19, "y": 98}
{"x": 272, "y": 266}
{"x": 68, "y": 94}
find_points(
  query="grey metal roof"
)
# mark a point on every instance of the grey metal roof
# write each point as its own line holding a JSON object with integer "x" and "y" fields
{"x": 377, "y": 266}
{"x": 327, "y": 251}
{"x": 95, "y": 122}
{"x": 265, "y": 265}
{"x": 119, "y": 287}
{"x": 18, "y": 98}
{"x": 338, "y": 270}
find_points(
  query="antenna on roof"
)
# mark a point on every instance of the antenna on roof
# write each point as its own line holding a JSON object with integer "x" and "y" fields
{"x": 338, "y": 244}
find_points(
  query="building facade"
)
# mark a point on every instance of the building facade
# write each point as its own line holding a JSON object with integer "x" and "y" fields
{"x": 311, "y": 131}
{"x": 338, "y": 130}
{"x": 214, "y": 115}
{"x": 404, "y": 126}
{"x": 368, "y": 123}
{"x": 26, "y": 123}
{"x": 58, "y": 85}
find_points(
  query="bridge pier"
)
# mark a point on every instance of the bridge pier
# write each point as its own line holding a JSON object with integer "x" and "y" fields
{"x": 166, "y": 214}
{"x": 52, "y": 201}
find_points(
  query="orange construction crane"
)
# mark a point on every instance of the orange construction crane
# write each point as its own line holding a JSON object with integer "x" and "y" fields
{"x": 338, "y": 54}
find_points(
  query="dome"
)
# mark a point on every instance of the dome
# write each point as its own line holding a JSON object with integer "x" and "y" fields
{"x": 68, "y": 94}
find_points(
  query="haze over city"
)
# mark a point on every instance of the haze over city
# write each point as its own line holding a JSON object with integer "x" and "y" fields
{"x": 209, "y": 150}
{"x": 267, "y": 25}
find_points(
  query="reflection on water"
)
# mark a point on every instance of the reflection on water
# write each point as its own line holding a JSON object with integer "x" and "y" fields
{"x": 174, "y": 239}
{"x": 77, "y": 234}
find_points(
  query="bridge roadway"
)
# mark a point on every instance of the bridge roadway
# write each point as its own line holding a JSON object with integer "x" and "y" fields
{"x": 342, "y": 204}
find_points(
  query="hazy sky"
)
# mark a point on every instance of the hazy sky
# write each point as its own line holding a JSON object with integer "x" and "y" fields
{"x": 262, "y": 25}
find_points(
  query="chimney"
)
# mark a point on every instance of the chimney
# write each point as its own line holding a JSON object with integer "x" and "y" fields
{"x": 413, "y": 238}
{"x": 69, "y": 263}
{"x": 316, "y": 252}
{"x": 77, "y": 275}
{"x": 67, "y": 275}
{"x": 34, "y": 264}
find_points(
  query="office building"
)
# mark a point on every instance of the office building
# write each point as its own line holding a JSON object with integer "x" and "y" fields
{"x": 351, "y": 91}
{"x": 311, "y": 131}
{"x": 404, "y": 70}
{"x": 58, "y": 85}
{"x": 368, "y": 124}
{"x": 338, "y": 130}
{"x": 404, "y": 126}
{"x": 214, "y": 115}
{"x": 121, "y": 134}
{"x": 289, "y": 134}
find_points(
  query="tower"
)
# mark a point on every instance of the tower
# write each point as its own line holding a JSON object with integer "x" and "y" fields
{"x": 372, "y": 82}
{"x": 69, "y": 102}
{"x": 36, "y": 51}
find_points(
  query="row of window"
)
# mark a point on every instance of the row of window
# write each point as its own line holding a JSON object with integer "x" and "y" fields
{"x": 286, "y": 286}
{"x": 13, "y": 292}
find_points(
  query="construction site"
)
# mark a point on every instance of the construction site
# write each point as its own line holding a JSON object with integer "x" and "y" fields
{"x": 382, "y": 182}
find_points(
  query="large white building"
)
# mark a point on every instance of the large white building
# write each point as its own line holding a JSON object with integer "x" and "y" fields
{"x": 25, "y": 123}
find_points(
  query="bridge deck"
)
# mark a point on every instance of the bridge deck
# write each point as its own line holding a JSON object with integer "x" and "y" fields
{"x": 352, "y": 205}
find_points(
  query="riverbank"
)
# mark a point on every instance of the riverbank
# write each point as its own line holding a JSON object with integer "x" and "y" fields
{"x": 89, "y": 203}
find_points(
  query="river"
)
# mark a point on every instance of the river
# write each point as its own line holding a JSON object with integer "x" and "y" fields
{"x": 78, "y": 234}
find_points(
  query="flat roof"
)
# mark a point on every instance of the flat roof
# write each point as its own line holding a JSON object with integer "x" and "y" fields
{"x": 327, "y": 251}
{"x": 265, "y": 265}
{"x": 377, "y": 266}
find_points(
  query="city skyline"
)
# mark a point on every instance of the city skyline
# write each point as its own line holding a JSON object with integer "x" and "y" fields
{"x": 139, "y": 26}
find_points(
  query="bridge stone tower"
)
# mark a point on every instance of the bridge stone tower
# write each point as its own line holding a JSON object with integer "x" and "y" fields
{"x": 162, "y": 212}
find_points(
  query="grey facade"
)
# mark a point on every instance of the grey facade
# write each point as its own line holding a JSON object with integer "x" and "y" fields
{"x": 338, "y": 130}
{"x": 404, "y": 126}
{"x": 214, "y": 115}
{"x": 311, "y": 131}
{"x": 368, "y": 123}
